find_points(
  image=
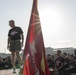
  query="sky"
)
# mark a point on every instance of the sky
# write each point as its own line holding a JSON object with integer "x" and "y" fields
{"x": 58, "y": 21}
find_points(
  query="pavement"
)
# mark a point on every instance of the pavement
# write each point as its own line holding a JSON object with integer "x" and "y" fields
{"x": 9, "y": 72}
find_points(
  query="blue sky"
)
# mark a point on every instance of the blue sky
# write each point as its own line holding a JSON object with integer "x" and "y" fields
{"x": 58, "y": 21}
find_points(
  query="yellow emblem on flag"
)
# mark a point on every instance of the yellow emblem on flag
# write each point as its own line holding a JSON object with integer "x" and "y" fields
{"x": 43, "y": 63}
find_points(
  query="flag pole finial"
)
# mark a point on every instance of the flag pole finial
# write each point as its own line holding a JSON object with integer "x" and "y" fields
{"x": 35, "y": 2}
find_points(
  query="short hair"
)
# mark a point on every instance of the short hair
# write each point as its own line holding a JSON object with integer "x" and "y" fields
{"x": 72, "y": 55}
{"x": 65, "y": 53}
{"x": 12, "y": 21}
{"x": 58, "y": 51}
{"x": 48, "y": 55}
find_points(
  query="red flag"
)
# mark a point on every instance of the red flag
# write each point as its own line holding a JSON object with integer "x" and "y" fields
{"x": 34, "y": 52}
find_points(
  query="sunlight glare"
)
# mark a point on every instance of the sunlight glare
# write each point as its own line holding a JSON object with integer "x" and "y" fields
{"x": 50, "y": 20}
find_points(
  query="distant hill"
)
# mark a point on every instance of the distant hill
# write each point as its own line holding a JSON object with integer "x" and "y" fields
{"x": 48, "y": 50}
{"x": 69, "y": 50}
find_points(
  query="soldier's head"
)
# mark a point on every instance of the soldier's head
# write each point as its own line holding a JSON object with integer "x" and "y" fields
{"x": 58, "y": 52}
{"x": 71, "y": 57}
{"x": 64, "y": 55}
{"x": 12, "y": 23}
